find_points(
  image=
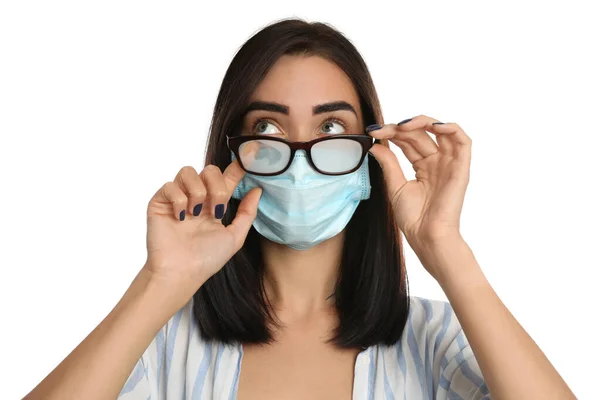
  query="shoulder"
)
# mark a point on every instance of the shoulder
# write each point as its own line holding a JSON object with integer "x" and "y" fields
{"x": 150, "y": 373}
{"x": 434, "y": 350}
{"x": 431, "y": 333}
{"x": 179, "y": 360}
{"x": 432, "y": 319}
{"x": 171, "y": 340}
{"x": 432, "y": 329}
{"x": 180, "y": 339}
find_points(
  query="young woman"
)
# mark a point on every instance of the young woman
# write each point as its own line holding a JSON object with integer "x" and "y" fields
{"x": 277, "y": 271}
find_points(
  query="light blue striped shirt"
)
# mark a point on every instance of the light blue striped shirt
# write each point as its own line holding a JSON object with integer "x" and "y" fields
{"x": 432, "y": 360}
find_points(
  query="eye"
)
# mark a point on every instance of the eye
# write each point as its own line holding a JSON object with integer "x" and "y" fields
{"x": 264, "y": 128}
{"x": 333, "y": 126}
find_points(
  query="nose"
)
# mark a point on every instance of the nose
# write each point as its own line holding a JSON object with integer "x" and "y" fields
{"x": 300, "y": 171}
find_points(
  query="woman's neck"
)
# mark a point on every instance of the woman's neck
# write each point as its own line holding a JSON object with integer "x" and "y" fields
{"x": 299, "y": 283}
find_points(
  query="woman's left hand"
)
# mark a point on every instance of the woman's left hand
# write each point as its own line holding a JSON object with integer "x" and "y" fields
{"x": 427, "y": 209}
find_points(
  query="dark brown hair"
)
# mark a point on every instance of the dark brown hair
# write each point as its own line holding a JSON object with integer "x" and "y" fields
{"x": 371, "y": 295}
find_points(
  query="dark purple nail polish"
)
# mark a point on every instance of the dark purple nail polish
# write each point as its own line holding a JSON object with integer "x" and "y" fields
{"x": 373, "y": 127}
{"x": 219, "y": 211}
{"x": 182, "y": 215}
{"x": 197, "y": 209}
{"x": 438, "y": 123}
{"x": 405, "y": 121}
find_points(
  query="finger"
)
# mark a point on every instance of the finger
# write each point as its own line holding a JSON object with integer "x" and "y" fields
{"x": 422, "y": 122}
{"x": 191, "y": 184}
{"x": 216, "y": 188}
{"x": 248, "y": 153}
{"x": 171, "y": 193}
{"x": 409, "y": 151}
{"x": 245, "y": 216}
{"x": 232, "y": 175}
{"x": 455, "y": 139}
{"x": 418, "y": 139}
{"x": 392, "y": 171}
{"x": 450, "y": 140}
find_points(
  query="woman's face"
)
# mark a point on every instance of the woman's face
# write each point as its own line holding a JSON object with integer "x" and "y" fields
{"x": 303, "y": 98}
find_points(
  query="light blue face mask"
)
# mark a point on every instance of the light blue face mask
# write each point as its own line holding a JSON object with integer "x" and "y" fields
{"x": 302, "y": 207}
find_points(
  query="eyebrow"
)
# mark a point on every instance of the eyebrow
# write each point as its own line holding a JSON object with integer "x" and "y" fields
{"x": 334, "y": 106}
{"x": 318, "y": 109}
{"x": 267, "y": 106}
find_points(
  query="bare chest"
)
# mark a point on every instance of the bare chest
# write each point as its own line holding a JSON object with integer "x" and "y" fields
{"x": 303, "y": 370}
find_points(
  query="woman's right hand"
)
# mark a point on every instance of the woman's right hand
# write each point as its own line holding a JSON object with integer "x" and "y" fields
{"x": 186, "y": 253}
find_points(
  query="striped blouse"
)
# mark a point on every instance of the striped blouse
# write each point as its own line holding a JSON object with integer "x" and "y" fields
{"x": 432, "y": 360}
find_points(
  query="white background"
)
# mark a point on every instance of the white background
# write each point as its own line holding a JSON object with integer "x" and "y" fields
{"x": 101, "y": 103}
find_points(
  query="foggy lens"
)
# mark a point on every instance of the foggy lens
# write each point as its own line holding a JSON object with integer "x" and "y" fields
{"x": 336, "y": 155}
{"x": 264, "y": 156}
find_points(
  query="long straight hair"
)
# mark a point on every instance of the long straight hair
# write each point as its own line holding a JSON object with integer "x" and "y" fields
{"x": 371, "y": 294}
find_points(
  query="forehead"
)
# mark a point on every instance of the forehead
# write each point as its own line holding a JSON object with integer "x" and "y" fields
{"x": 303, "y": 81}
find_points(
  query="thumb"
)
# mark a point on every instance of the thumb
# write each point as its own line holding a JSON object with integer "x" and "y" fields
{"x": 392, "y": 172}
{"x": 245, "y": 215}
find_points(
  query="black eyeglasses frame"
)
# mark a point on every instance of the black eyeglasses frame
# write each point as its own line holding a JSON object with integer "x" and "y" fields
{"x": 366, "y": 141}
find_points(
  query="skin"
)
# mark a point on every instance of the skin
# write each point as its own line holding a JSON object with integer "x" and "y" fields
{"x": 427, "y": 210}
{"x": 184, "y": 253}
{"x": 298, "y": 283}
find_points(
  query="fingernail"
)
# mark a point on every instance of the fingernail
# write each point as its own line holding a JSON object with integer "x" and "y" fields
{"x": 438, "y": 123}
{"x": 373, "y": 127}
{"x": 219, "y": 211}
{"x": 405, "y": 121}
{"x": 197, "y": 209}
{"x": 182, "y": 215}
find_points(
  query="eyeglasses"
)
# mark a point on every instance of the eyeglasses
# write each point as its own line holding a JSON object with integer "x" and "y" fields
{"x": 330, "y": 155}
